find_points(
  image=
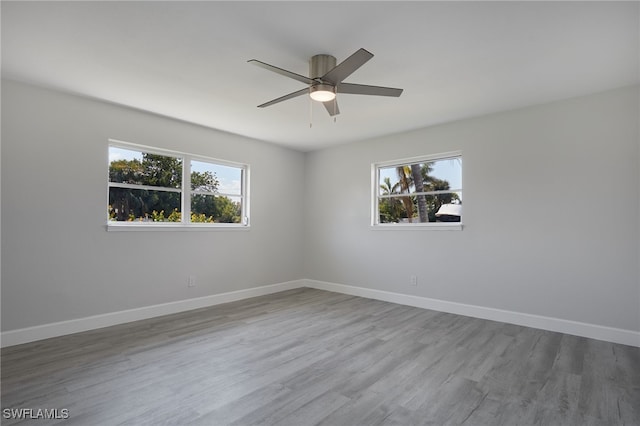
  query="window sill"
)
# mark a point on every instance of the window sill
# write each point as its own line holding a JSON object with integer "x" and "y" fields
{"x": 136, "y": 227}
{"x": 418, "y": 227}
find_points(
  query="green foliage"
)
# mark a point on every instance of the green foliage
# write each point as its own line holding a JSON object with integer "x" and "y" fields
{"x": 201, "y": 218}
{"x": 174, "y": 216}
{"x": 158, "y": 217}
{"x": 160, "y": 170}
{"x": 229, "y": 212}
{"x": 124, "y": 171}
{"x": 391, "y": 209}
{"x": 205, "y": 181}
{"x": 222, "y": 209}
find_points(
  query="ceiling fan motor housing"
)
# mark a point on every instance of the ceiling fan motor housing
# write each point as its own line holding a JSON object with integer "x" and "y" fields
{"x": 319, "y": 65}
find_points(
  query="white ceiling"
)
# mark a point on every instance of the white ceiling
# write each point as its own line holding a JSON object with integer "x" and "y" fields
{"x": 454, "y": 60}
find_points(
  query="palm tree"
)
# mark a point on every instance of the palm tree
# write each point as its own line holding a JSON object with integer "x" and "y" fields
{"x": 389, "y": 207}
{"x": 387, "y": 188}
{"x": 405, "y": 181}
{"x": 416, "y": 174}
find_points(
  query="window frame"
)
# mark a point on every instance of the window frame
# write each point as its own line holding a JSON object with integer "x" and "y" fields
{"x": 375, "y": 223}
{"x": 185, "y": 192}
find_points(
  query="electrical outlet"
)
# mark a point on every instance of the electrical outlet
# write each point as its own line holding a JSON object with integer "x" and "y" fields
{"x": 413, "y": 280}
{"x": 192, "y": 281}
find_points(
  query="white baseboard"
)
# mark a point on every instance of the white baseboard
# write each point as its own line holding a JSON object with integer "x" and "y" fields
{"x": 592, "y": 331}
{"x": 30, "y": 334}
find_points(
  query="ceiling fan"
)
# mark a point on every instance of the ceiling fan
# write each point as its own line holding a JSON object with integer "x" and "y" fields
{"x": 325, "y": 80}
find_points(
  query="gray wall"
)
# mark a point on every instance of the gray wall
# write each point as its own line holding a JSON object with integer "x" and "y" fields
{"x": 551, "y": 216}
{"x": 551, "y": 202}
{"x": 59, "y": 262}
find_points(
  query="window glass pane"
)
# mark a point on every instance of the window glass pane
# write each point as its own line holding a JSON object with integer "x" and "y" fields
{"x": 434, "y": 175}
{"x": 143, "y": 205}
{"x": 394, "y": 209}
{"x": 448, "y": 207}
{"x": 391, "y": 181}
{"x": 217, "y": 178}
{"x": 442, "y": 174}
{"x": 147, "y": 187}
{"x": 421, "y": 208}
{"x": 215, "y": 209}
{"x": 141, "y": 168}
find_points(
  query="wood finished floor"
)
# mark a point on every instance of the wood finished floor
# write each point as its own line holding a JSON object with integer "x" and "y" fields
{"x": 307, "y": 357}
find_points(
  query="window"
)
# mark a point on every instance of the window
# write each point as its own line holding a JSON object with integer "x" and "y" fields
{"x": 422, "y": 191}
{"x": 149, "y": 186}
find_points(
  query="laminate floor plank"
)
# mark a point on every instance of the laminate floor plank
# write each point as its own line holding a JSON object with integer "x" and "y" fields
{"x": 310, "y": 357}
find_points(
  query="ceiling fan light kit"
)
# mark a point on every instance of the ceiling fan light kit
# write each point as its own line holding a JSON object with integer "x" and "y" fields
{"x": 325, "y": 80}
{"x": 322, "y": 92}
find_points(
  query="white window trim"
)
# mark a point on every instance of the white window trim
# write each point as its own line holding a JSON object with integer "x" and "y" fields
{"x": 185, "y": 192}
{"x": 175, "y": 226}
{"x": 431, "y": 226}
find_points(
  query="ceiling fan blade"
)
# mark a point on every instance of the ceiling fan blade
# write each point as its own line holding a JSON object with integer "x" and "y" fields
{"x": 293, "y": 75}
{"x": 332, "y": 107}
{"x": 285, "y": 97}
{"x": 363, "y": 89}
{"x": 345, "y": 68}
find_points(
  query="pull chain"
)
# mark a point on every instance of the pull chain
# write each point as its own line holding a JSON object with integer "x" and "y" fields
{"x": 310, "y": 112}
